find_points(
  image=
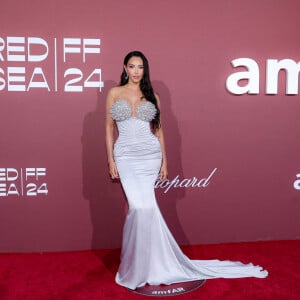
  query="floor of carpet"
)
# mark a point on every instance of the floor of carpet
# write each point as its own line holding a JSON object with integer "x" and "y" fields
{"x": 89, "y": 275}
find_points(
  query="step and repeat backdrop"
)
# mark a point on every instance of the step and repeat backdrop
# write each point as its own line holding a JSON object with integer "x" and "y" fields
{"x": 227, "y": 73}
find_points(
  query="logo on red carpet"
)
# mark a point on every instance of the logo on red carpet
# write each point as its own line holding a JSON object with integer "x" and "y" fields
{"x": 169, "y": 292}
{"x": 23, "y": 182}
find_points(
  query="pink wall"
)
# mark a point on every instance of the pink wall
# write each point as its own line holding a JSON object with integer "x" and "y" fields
{"x": 251, "y": 140}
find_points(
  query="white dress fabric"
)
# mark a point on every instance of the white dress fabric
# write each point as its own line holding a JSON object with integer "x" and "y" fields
{"x": 150, "y": 254}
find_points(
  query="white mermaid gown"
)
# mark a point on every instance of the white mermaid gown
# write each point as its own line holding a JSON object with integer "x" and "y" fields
{"x": 150, "y": 254}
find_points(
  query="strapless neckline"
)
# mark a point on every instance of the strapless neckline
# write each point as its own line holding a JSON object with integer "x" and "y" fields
{"x": 122, "y": 110}
{"x": 133, "y": 108}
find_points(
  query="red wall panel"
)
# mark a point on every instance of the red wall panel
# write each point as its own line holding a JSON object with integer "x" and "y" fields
{"x": 52, "y": 139}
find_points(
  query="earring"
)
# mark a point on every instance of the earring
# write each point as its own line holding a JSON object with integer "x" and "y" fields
{"x": 126, "y": 76}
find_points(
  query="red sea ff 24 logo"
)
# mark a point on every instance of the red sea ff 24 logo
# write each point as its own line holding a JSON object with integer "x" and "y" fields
{"x": 67, "y": 64}
{"x": 23, "y": 182}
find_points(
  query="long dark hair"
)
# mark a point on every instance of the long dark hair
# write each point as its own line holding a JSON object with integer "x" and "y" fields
{"x": 145, "y": 84}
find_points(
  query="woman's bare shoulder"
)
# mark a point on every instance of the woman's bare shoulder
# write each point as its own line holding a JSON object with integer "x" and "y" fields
{"x": 157, "y": 99}
{"x": 115, "y": 92}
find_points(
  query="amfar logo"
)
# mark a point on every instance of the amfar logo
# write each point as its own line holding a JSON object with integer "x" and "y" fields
{"x": 297, "y": 182}
{"x": 22, "y": 182}
{"x": 25, "y": 61}
{"x": 252, "y": 74}
{"x": 169, "y": 292}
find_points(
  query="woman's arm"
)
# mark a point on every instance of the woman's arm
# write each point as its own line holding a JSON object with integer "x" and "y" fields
{"x": 163, "y": 174}
{"x": 109, "y": 137}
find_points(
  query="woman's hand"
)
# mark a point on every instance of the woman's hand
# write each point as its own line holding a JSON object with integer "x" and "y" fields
{"x": 113, "y": 171}
{"x": 163, "y": 174}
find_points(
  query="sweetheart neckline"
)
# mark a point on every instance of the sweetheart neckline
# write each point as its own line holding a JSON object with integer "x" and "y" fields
{"x": 132, "y": 108}
{"x": 124, "y": 100}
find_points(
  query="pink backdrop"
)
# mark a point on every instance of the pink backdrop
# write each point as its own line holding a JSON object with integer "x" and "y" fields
{"x": 243, "y": 150}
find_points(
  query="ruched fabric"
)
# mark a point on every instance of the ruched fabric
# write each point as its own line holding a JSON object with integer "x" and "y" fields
{"x": 150, "y": 253}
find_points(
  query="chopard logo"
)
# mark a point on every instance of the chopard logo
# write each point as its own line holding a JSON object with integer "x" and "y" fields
{"x": 178, "y": 182}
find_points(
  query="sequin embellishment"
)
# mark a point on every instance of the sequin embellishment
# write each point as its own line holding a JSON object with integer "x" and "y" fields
{"x": 146, "y": 111}
{"x": 121, "y": 110}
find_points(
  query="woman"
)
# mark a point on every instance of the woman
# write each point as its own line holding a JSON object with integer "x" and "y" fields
{"x": 149, "y": 252}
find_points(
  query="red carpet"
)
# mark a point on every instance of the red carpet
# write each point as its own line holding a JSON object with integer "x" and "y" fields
{"x": 89, "y": 275}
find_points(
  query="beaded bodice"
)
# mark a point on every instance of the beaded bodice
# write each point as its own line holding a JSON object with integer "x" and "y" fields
{"x": 121, "y": 110}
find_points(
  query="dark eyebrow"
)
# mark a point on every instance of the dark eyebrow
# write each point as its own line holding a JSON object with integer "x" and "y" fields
{"x": 134, "y": 65}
